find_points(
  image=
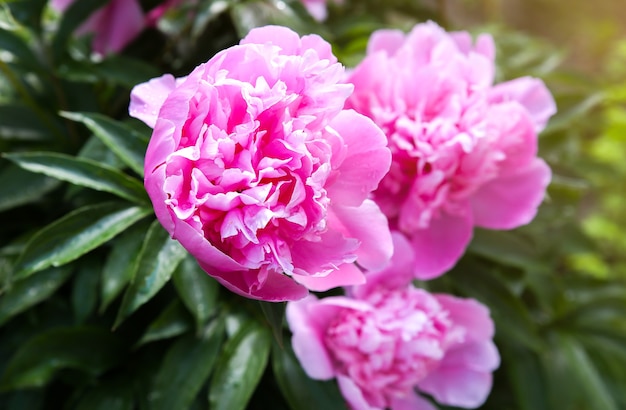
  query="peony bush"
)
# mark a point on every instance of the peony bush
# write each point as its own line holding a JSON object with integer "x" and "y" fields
{"x": 235, "y": 205}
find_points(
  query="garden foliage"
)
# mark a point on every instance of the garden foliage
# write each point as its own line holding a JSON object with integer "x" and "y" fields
{"x": 101, "y": 309}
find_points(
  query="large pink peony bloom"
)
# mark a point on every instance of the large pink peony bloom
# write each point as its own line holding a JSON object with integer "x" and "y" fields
{"x": 258, "y": 171}
{"x": 388, "y": 341}
{"x": 464, "y": 151}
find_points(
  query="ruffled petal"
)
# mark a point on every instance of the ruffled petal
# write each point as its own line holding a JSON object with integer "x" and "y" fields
{"x": 367, "y": 159}
{"x": 367, "y": 224}
{"x": 511, "y": 200}
{"x": 147, "y": 98}
{"x": 532, "y": 93}
{"x": 438, "y": 247}
{"x": 458, "y": 387}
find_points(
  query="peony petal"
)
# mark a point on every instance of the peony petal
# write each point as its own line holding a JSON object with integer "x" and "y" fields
{"x": 353, "y": 394}
{"x": 458, "y": 387}
{"x": 412, "y": 402}
{"x": 346, "y": 274}
{"x": 367, "y": 224}
{"x": 438, "y": 247}
{"x": 368, "y": 159}
{"x": 511, "y": 200}
{"x": 147, "y": 98}
{"x": 283, "y": 37}
{"x": 470, "y": 314}
{"x": 480, "y": 356}
{"x": 531, "y": 93}
{"x": 397, "y": 275}
{"x": 386, "y": 40}
{"x": 308, "y": 321}
{"x": 276, "y": 287}
{"x": 115, "y": 25}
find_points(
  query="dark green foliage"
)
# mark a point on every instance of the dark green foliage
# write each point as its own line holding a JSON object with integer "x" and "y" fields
{"x": 100, "y": 309}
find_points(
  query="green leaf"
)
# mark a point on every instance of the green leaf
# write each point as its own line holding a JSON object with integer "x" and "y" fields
{"x": 89, "y": 349}
{"x": 185, "y": 368}
{"x": 528, "y": 381}
{"x": 75, "y": 234}
{"x": 120, "y": 265}
{"x": 197, "y": 289}
{"x": 509, "y": 248}
{"x": 275, "y": 316}
{"x": 17, "y": 46}
{"x": 21, "y": 123}
{"x": 20, "y": 187}
{"x": 83, "y": 172}
{"x": 240, "y": 368}
{"x": 128, "y": 144}
{"x": 509, "y": 313}
{"x": 300, "y": 391}
{"x": 111, "y": 396}
{"x": 158, "y": 258}
{"x": 125, "y": 71}
{"x": 173, "y": 321}
{"x": 85, "y": 289}
{"x": 30, "y": 291}
{"x": 587, "y": 380}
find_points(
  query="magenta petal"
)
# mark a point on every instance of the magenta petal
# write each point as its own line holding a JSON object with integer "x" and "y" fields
{"x": 345, "y": 275}
{"x": 353, "y": 394}
{"x": 307, "y": 320}
{"x": 368, "y": 224}
{"x": 478, "y": 356}
{"x": 412, "y": 402}
{"x": 531, "y": 93}
{"x": 396, "y": 275}
{"x": 147, "y": 98}
{"x": 283, "y": 37}
{"x": 511, "y": 200}
{"x": 458, "y": 387}
{"x": 368, "y": 158}
{"x": 470, "y": 314}
{"x": 276, "y": 287}
{"x": 439, "y": 247}
{"x": 115, "y": 25}
{"x": 388, "y": 41}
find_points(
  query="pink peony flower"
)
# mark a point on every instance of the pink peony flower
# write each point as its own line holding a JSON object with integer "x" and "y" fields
{"x": 464, "y": 151}
{"x": 114, "y": 25}
{"x": 117, "y": 23}
{"x": 388, "y": 340}
{"x": 259, "y": 172}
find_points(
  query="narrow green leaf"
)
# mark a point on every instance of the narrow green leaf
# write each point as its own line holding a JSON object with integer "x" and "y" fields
{"x": 85, "y": 289}
{"x": 173, "y": 321}
{"x": 580, "y": 366}
{"x": 89, "y": 349}
{"x": 300, "y": 391}
{"x": 75, "y": 234}
{"x": 527, "y": 378}
{"x": 275, "y": 316}
{"x": 158, "y": 258}
{"x": 185, "y": 368}
{"x": 240, "y": 368}
{"x": 18, "y": 47}
{"x": 30, "y": 291}
{"x": 128, "y": 144}
{"x": 197, "y": 289}
{"x": 509, "y": 248}
{"x": 120, "y": 265}
{"x": 21, "y": 123}
{"x": 509, "y": 313}
{"x": 83, "y": 172}
{"x": 111, "y": 396}
{"x": 21, "y": 187}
